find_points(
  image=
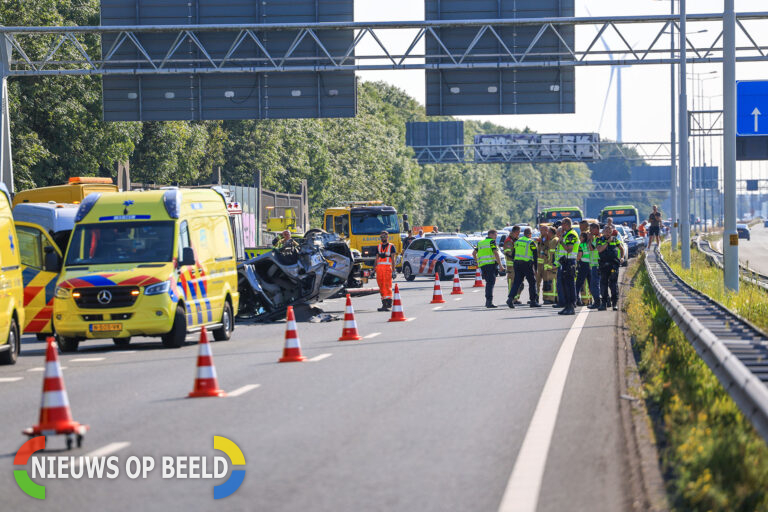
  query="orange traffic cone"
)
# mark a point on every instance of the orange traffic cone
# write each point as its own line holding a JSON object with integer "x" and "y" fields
{"x": 292, "y": 350}
{"x": 55, "y": 416}
{"x": 437, "y": 294}
{"x": 397, "y": 308}
{"x": 456, "y": 283}
{"x": 349, "y": 333}
{"x": 206, "y": 383}
{"x": 478, "y": 280}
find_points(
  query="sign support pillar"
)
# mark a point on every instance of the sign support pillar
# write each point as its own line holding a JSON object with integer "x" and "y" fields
{"x": 685, "y": 172}
{"x": 6, "y": 162}
{"x": 673, "y": 147}
{"x": 730, "y": 235}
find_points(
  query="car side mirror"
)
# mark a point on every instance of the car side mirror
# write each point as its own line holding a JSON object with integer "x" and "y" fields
{"x": 52, "y": 260}
{"x": 187, "y": 256}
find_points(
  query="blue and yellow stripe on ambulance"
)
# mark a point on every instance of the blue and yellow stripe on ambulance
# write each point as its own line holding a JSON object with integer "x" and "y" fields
{"x": 202, "y": 283}
{"x": 190, "y": 292}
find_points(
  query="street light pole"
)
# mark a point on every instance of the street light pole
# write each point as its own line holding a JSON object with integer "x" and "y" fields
{"x": 730, "y": 235}
{"x": 673, "y": 158}
{"x": 685, "y": 172}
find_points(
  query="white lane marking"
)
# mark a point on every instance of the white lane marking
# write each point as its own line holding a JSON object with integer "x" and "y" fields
{"x": 410, "y": 319}
{"x": 10, "y": 379}
{"x": 524, "y": 485}
{"x": 86, "y": 359}
{"x": 319, "y": 358}
{"x": 372, "y": 335}
{"x": 42, "y": 368}
{"x": 103, "y": 451}
{"x": 458, "y": 299}
{"x": 437, "y": 307}
{"x": 475, "y": 291}
{"x": 243, "y": 390}
{"x": 123, "y": 352}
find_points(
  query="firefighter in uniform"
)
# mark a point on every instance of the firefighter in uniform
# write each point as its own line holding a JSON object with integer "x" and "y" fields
{"x": 509, "y": 256}
{"x": 525, "y": 256}
{"x": 385, "y": 269}
{"x": 570, "y": 245}
{"x": 583, "y": 269}
{"x": 487, "y": 256}
{"x": 541, "y": 247}
{"x": 548, "y": 290}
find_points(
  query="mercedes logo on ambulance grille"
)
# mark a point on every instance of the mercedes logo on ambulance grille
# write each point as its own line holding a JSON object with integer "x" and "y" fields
{"x": 104, "y": 297}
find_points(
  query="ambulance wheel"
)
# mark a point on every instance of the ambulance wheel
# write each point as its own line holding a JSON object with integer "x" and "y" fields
{"x": 122, "y": 342}
{"x": 441, "y": 273}
{"x": 178, "y": 333}
{"x": 408, "y": 273}
{"x": 9, "y": 356}
{"x": 67, "y": 344}
{"x": 224, "y": 332}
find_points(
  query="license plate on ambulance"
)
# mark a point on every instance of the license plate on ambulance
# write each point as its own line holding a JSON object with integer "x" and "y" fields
{"x": 106, "y": 327}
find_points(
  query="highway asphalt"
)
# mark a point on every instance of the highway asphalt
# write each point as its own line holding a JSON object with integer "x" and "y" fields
{"x": 753, "y": 252}
{"x": 430, "y": 414}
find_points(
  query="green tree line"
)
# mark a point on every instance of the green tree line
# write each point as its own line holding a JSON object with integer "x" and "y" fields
{"x": 57, "y": 132}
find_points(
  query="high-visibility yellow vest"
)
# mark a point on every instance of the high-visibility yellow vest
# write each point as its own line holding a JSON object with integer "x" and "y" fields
{"x": 524, "y": 249}
{"x": 485, "y": 252}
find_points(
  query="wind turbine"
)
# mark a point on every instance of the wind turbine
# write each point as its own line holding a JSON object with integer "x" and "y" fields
{"x": 615, "y": 72}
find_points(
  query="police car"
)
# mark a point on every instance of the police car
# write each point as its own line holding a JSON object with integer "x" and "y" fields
{"x": 440, "y": 255}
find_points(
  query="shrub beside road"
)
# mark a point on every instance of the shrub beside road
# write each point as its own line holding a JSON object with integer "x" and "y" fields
{"x": 711, "y": 456}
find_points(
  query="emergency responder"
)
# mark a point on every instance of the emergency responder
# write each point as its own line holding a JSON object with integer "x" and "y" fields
{"x": 582, "y": 291}
{"x": 284, "y": 242}
{"x": 559, "y": 253}
{"x": 570, "y": 244}
{"x": 583, "y": 266}
{"x": 525, "y": 255}
{"x": 487, "y": 256}
{"x": 548, "y": 291}
{"x": 594, "y": 263}
{"x": 509, "y": 256}
{"x": 610, "y": 257}
{"x": 541, "y": 256}
{"x": 385, "y": 269}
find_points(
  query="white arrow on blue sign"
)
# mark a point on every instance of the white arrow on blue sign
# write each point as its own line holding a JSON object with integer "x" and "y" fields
{"x": 752, "y": 108}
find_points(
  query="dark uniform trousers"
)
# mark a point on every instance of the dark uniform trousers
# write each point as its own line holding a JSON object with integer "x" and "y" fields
{"x": 524, "y": 270}
{"x": 569, "y": 281}
{"x": 609, "y": 279}
{"x": 489, "y": 273}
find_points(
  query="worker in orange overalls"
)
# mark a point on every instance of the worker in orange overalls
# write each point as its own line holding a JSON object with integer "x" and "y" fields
{"x": 385, "y": 269}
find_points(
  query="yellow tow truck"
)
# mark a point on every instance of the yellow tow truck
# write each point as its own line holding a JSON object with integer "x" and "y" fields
{"x": 361, "y": 223}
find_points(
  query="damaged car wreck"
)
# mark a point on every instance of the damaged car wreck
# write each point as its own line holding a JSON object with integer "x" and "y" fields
{"x": 318, "y": 267}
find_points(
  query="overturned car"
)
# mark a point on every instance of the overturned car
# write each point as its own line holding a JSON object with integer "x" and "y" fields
{"x": 318, "y": 267}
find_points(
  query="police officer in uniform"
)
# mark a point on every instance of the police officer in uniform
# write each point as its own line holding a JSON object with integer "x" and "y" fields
{"x": 487, "y": 256}
{"x": 525, "y": 255}
{"x": 570, "y": 245}
{"x": 509, "y": 256}
{"x": 594, "y": 263}
{"x": 559, "y": 253}
{"x": 385, "y": 269}
{"x": 610, "y": 257}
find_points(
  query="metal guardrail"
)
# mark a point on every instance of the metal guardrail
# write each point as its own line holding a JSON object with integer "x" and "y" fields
{"x": 735, "y": 350}
{"x": 745, "y": 273}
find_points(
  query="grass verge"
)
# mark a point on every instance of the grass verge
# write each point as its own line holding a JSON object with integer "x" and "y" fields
{"x": 711, "y": 456}
{"x": 751, "y": 302}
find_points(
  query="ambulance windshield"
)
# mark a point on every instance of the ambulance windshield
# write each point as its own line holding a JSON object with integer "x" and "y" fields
{"x": 121, "y": 242}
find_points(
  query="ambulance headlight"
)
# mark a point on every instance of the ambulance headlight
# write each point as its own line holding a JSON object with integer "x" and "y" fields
{"x": 62, "y": 293}
{"x": 158, "y": 289}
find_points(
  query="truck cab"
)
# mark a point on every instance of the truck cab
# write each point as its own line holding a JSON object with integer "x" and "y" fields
{"x": 361, "y": 223}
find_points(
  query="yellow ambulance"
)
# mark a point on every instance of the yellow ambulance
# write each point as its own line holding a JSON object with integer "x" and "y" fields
{"x": 11, "y": 285}
{"x": 152, "y": 263}
{"x": 73, "y": 191}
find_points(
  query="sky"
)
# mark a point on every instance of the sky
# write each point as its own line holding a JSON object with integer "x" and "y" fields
{"x": 646, "y": 88}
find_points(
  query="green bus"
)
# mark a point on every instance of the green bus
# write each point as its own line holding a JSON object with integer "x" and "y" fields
{"x": 621, "y": 214}
{"x": 549, "y": 215}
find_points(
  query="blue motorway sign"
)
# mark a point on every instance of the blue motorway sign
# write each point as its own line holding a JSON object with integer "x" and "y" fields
{"x": 752, "y": 108}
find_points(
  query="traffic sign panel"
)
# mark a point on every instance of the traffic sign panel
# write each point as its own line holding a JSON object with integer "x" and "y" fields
{"x": 752, "y": 108}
